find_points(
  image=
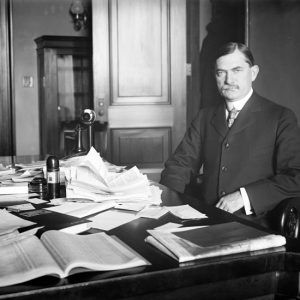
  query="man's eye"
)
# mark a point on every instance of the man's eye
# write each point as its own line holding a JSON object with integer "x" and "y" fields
{"x": 220, "y": 73}
{"x": 237, "y": 70}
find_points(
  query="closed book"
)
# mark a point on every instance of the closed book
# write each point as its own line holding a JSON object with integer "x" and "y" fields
{"x": 211, "y": 241}
{"x": 54, "y": 220}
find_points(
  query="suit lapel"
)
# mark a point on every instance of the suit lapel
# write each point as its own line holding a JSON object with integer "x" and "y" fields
{"x": 247, "y": 116}
{"x": 218, "y": 120}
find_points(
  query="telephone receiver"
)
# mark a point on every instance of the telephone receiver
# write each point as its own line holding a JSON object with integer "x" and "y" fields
{"x": 87, "y": 119}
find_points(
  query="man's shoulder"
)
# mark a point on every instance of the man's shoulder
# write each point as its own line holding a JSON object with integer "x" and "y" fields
{"x": 211, "y": 109}
{"x": 270, "y": 105}
{"x": 267, "y": 102}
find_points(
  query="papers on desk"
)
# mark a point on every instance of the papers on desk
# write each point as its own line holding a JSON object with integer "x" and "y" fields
{"x": 6, "y": 171}
{"x": 186, "y": 212}
{"x": 89, "y": 177}
{"x": 152, "y": 212}
{"x": 20, "y": 207}
{"x": 10, "y": 222}
{"x": 15, "y": 198}
{"x": 36, "y": 200}
{"x": 20, "y": 174}
{"x": 13, "y": 188}
{"x": 81, "y": 209}
{"x": 111, "y": 219}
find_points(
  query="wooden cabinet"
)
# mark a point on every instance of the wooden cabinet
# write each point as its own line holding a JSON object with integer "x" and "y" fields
{"x": 65, "y": 88}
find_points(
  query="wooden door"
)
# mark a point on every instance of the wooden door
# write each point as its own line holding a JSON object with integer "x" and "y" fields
{"x": 139, "y": 65}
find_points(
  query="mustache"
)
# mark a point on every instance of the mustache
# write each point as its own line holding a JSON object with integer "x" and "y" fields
{"x": 228, "y": 87}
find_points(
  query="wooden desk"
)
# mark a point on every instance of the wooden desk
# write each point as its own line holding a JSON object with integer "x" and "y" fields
{"x": 242, "y": 276}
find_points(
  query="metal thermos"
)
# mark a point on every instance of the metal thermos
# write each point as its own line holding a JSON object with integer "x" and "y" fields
{"x": 53, "y": 177}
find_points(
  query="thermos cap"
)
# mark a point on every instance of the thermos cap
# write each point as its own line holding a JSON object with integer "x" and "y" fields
{"x": 52, "y": 163}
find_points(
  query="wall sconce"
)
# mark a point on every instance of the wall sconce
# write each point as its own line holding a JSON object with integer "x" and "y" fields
{"x": 79, "y": 14}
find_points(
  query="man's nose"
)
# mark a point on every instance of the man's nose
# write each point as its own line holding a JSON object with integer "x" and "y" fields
{"x": 229, "y": 78}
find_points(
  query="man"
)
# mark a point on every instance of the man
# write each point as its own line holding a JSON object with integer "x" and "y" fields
{"x": 251, "y": 161}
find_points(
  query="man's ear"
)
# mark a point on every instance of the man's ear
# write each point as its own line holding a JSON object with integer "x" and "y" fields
{"x": 254, "y": 71}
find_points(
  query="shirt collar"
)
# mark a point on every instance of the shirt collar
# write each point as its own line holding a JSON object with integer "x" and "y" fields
{"x": 239, "y": 104}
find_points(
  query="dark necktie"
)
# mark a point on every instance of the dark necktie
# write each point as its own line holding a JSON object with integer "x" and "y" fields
{"x": 232, "y": 114}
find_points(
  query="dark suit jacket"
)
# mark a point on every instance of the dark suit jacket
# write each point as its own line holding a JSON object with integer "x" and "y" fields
{"x": 260, "y": 152}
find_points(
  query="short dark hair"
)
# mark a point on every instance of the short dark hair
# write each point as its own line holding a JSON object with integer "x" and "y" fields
{"x": 230, "y": 47}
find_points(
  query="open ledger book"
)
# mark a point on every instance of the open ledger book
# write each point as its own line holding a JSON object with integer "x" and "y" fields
{"x": 212, "y": 241}
{"x": 61, "y": 254}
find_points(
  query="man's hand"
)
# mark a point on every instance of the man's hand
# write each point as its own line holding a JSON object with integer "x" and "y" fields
{"x": 231, "y": 202}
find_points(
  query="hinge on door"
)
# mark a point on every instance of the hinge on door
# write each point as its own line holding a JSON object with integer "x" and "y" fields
{"x": 188, "y": 69}
{"x": 44, "y": 81}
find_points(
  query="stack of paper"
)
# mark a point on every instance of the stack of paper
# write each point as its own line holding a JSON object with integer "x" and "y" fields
{"x": 21, "y": 172}
{"x": 90, "y": 177}
{"x": 9, "y": 188}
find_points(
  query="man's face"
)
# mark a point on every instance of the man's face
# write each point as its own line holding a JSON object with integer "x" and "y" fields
{"x": 234, "y": 76}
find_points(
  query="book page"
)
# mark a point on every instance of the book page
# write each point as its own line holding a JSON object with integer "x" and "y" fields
{"x": 98, "y": 252}
{"x": 24, "y": 258}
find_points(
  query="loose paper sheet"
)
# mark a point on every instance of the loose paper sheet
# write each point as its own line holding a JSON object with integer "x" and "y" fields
{"x": 36, "y": 201}
{"x": 168, "y": 227}
{"x": 111, "y": 219}
{"x": 153, "y": 212}
{"x": 186, "y": 212}
{"x": 21, "y": 207}
{"x": 10, "y": 222}
{"x": 81, "y": 209}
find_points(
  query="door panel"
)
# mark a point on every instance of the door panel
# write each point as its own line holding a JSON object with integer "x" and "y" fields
{"x": 139, "y": 55}
{"x": 146, "y": 147}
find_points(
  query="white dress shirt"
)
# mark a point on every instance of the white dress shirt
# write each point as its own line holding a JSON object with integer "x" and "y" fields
{"x": 238, "y": 105}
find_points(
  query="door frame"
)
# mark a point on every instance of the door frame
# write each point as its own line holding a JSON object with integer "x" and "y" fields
{"x": 7, "y": 136}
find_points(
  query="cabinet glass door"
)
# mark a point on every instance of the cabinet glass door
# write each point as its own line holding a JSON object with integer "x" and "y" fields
{"x": 74, "y": 95}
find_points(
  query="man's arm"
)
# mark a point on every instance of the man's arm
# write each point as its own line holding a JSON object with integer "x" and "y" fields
{"x": 266, "y": 193}
{"x": 185, "y": 161}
